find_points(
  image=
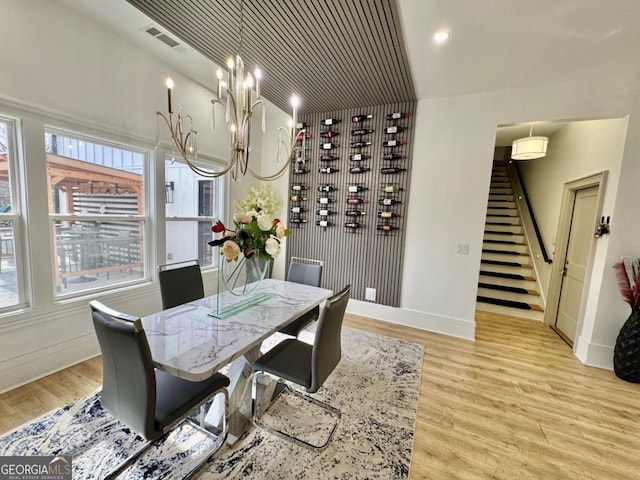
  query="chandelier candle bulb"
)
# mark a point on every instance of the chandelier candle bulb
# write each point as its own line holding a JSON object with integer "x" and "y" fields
{"x": 219, "y": 77}
{"x": 169, "y": 83}
{"x": 258, "y": 75}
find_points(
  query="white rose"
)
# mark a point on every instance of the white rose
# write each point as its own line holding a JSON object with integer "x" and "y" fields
{"x": 230, "y": 250}
{"x": 265, "y": 222}
{"x": 242, "y": 218}
{"x": 280, "y": 230}
{"x": 252, "y": 213}
{"x": 272, "y": 247}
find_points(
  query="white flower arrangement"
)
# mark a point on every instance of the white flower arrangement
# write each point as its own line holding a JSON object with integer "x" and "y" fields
{"x": 263, "y": 200}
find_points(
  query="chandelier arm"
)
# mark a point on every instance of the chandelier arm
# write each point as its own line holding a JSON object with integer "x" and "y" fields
{"x": 269, "y": 178}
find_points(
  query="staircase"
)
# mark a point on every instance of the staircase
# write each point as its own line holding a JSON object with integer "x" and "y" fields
{"x": 507, "y": 283}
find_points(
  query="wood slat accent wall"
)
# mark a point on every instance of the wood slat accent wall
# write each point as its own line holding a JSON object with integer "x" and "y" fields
{"x": 302, "y": 46}
{"x": 366, "y": 257}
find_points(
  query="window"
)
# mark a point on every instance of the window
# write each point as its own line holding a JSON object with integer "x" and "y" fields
{"x": 97, "y": 212}
{"x": 11, "y": 268}
{"x": 192, "y": 203}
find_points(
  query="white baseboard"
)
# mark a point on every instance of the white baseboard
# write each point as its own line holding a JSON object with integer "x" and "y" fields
{"x": 594, "y": 354}
{"x": 454, "y": 327}
{"x": 32, "y": 366}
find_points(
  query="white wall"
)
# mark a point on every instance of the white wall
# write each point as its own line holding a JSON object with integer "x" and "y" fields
{"x": 452, "y": 166}
{"x": 60, "y": 69}
{"x": 577, "y": 150}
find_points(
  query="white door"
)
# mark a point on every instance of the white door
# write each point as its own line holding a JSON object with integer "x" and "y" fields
{"x": 581, "y": 237}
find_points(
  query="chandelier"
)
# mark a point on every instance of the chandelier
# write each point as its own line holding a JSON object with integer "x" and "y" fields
{"x": 243, "y": 97}
{"x": 529, "y": 148}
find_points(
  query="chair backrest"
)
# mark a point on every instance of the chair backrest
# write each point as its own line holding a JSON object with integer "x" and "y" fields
{"x": 128, "y": 379}
{"x": 327, "y": 347}
{"x": 305, "y": 270}
{"x": 180, "y": 283}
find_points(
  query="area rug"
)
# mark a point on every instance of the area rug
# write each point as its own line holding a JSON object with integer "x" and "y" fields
{"x": 375, "y": 386}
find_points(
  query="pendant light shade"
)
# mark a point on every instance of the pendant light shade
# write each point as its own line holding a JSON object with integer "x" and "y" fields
{"x": 530, "y": 147}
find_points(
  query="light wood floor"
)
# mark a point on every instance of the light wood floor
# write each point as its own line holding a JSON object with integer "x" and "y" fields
{"x": 514, "y": 404}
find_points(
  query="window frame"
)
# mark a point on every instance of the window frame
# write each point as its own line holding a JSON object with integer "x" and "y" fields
{"x": 220, "y": 201}
{"x": 15, "y": 160}
{"x": 146, "y": 218}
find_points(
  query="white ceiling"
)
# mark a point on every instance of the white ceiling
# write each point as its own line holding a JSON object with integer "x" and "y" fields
{"x": 498, "y": 44}
{"x": 495, "y": 44}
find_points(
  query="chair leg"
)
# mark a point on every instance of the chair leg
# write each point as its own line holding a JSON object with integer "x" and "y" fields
{"x": 325, "y": 406}
{"x": 130, "y": 460}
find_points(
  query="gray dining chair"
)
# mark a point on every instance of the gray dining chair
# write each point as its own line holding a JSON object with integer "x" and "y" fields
{"x": 180, "y": 283}
{"x": 306, "y": 365}
{"x": 309, "y": 272}
{"x": 149, "y": 401}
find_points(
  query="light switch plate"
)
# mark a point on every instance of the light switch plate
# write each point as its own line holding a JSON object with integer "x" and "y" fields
{"x": 462, "y": 248}
{"x": 370, "y": 294}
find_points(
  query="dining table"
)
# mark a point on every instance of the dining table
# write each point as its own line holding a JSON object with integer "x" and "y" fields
{"x": 194, "y": 341}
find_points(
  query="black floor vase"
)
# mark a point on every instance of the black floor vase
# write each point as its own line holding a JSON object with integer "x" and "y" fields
{"x": 626, "y": 354}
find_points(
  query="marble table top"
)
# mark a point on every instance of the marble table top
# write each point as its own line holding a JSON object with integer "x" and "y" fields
{"x": 189, "y": 343}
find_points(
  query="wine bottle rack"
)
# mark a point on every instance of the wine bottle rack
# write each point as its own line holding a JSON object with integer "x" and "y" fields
{"x": 371, "y": 254}
{"x": 299, "y": 189}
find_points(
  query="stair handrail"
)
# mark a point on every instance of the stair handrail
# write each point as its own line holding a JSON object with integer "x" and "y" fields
{"x": 517, "y": 181}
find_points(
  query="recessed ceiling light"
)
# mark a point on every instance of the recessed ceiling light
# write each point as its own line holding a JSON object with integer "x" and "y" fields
{"x": 440, "y": 37}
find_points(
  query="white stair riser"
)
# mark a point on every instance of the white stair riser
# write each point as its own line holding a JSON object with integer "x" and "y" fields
{"x": 514, "y": 297}
{"x": 501, "y": 198}
{"x": 511, "y": 212}
{"x": 508, "y": 282}
{"x": 504, "y": 247}
{"x": 521, "y": 259}
{"x": 507, "y": 220}
{"x": 501, "y": 205}
{"x": 500, "y": 191}
{"x": 517, "y": 229}
{"x": 496, "y": 236}
{"x": 524, "y": 271}
{"x": 514, "y": 312}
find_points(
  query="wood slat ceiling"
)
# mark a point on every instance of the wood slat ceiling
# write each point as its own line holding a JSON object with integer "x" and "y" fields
{"x": 334, "y": 54}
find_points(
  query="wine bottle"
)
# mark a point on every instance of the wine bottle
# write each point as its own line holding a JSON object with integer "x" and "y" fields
{"x": 329, "y": 158}
{"x": 390, "y": 188}
{"x": 298, "y": 198}
{"x": 390, "y": 170}
{"x": 388, "y": 201}
{"x": 326, "y": 213}
{"x": 298, "y": 188}
{"x": 354, "y": 213}
{"x": 324, "y": 223}
{"x": 360, "y": 144}
{"x": 356, "y": 188}
{"x": 298, "y": 209}
{"x": 393, "y": 156}
{"x": 397, "y": 115}
{"x": 393, "y": 143}
{"x": 297, "y": 220}
{"x": 394, "y": 129}
{"x": 325, "y": 200}
{"x": 361, "y": 131}
{"x": 327, "y": 188}
{"x": 386, "y": 228}
{"x": 360, "y": 118}
{"x": 359, "y": 169}
{"x": 356, "y": 201}
{"x": 354, "y": 225}
{"x": 385, "y": 214}
{"x": 328, "y": 146}
{"x": 301, "y": 125}
{"x": 330, "y": 121}
{"x": 300, "y": 171}
{"x": 329, "y": 134}
{"x": 328, "y": 170}
{"x": 302, "y": 136}
{"x": 357, "y": 157}
{"x": 301, "y": 160}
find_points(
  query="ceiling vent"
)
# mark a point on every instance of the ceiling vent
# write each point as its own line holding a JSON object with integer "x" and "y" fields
{"x": 163, "y": 37}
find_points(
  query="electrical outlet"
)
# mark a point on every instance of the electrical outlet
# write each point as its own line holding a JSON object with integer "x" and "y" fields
{"x": 462, "y": 248}
{"x": 370, "y": 294}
